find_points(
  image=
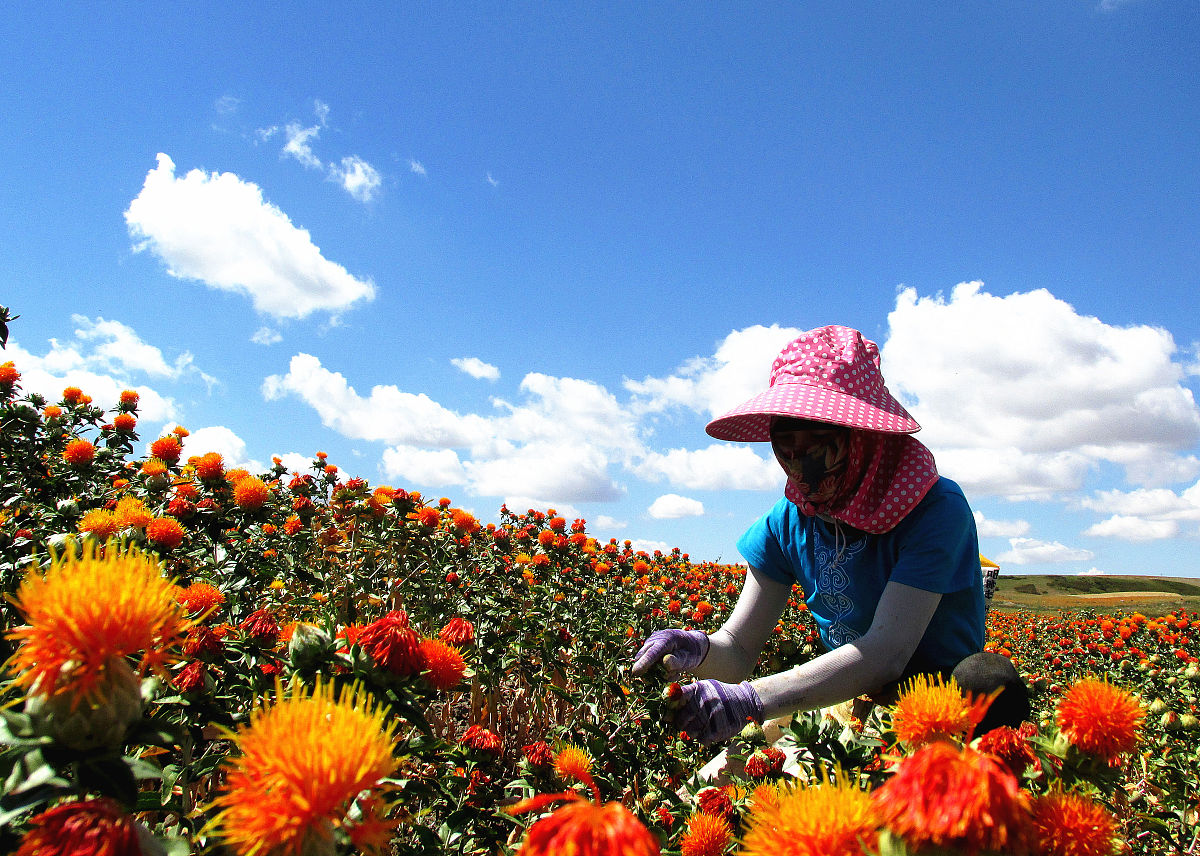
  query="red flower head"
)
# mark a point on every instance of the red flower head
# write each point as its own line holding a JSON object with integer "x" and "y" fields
{"x": 261, "y": 627}
{"x": 481, "y": 739}
{"x": 538, "y": 754}
{"x": 956, "y": 798}
{"x": 95, "y": 827}
{"x": 1010, "y": 746}
{"x": 765, "y": 762}
{"x": 393, "y": 645}
{"x": 191, "y": 677}
{"x": 458, "y": 631}
{"x": 715, "y": 801}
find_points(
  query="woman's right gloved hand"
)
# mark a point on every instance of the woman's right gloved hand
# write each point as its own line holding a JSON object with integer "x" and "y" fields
{"x": 678, "y": 650}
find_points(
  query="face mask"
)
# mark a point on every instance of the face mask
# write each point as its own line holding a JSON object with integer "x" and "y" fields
{"x": 814, "y": 456}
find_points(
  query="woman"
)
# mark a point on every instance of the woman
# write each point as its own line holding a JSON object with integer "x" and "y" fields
{"x": 883, "y": 547}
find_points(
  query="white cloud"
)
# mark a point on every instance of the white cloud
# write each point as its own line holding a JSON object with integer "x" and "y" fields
{"x": 1029, "y": 551}
{"x": 357, "y": 177}
{"x": 738, "y": 370}
{"x": 549, "y": 472}
{"x": 1093, "y": 572}
{"x": 296, "y": 462}
{"x": 1133, "y": 529}
{"x": 640, "y": 545}
{"x": 476, "y": 368}
{"x": 298, "y": 144}
{"x": 266, "y": 336}
{"x": 387, "y": 414}
{"x": 493, "y": 182}
{"x": 218, "y": 438}
{"x": 999, "y": 528}
{"x": 605, "y": 523}
{"x": 424, "y": 466}
{"x": 104, "y": 358}
{"x": 725, "y": 466}
{"x": 227, "y": 104}
{"x": 416, "y": 167}
{"x": 671, "y": 506}
{"x": 1021, "y": 396}
{"x": 217, "y": 229}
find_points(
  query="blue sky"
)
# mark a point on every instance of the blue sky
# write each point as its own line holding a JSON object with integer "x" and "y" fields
{"x": 524, "y": 252}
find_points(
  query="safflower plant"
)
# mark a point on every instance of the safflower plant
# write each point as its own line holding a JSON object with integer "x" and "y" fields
{"x": 177, "y": 633}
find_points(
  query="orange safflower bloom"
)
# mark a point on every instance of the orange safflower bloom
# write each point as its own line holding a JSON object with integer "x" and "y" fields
{"x": 428, "y": 517}
{"x": 464, "y": 521}
{"x": 154, "y": 467}
{"x": 124, "y": 422}
{"x": 930, "y": 708}
{"x": 100, "y": 523}
{"x": 293, "y": 524}
{"x": 8, "y": 373}
{"x": 88, "y": 613}
{"x": 304, "y": 760}
{"x": 458, "y": 631}
{"x": 200, "y": 598}
{"x": 1100, "y": 719}
{"x": 165, "y": 532}
{"x": 444, "y": 664}
{"x": 1073, "y": 825}
{"x": 79, "y": 453}
{"x": 132, "y": 512}
{"x": 96, "y": 827}
{"x": 51, "y": 411}
{"x": 167, "y": 449}
{"x": 251, "y": 493}
{"x": 72, "y": 395}
{"x": 572, "y": 764}
{"x": 210, "y": 467}
{"x": 954, "y": 797}
{"x": 706, "y": 835}
{"x": 129, "y": 398}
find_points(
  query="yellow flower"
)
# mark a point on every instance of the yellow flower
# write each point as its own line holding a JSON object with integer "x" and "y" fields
{"x": 88, "y": 613}
{"x": 1100, "y": 719}
{"x": 304, "y": 761}
{"x": 132, "y": 512}
{"x": 834, "y": 818}
{"x": 572, "y": 764}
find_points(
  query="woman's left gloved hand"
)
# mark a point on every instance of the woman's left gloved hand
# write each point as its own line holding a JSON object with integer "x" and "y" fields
{"x": 712, "y": 711}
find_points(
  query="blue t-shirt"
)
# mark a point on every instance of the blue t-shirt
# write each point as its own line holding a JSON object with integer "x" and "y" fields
{"x": 934, "y": 548}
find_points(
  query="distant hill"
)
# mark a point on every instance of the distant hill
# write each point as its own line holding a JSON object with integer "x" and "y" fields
{"x": 1103, "y": 593}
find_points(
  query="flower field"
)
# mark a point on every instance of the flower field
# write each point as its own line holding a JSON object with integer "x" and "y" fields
{"x": 207, "y": 660}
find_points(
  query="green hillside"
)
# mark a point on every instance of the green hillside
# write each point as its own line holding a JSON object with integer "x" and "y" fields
{"x": 1149, "y": 595}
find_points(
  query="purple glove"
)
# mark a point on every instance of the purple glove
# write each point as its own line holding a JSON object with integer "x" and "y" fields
{"x": 679, "y": 650}
{"x": 713, "y": 711}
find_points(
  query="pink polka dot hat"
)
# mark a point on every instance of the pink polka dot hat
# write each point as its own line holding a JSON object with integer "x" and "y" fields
{"x": 830, "y": 374}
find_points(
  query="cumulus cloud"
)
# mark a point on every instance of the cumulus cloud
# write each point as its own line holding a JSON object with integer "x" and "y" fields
{"x": 299, "y": 144}
{"x": 416, "y": 167}
{"x": 103, "y": 358}
{"x": 218, "y": 438}
{"x": 999, "y": 528}
{"x": 1030, "y": 551}
{"x": 476, "y": 368}
{"x": 423, "y": 466}
{"x": 357, "y": 177}
{"x": 725, "y": 466}
{"x": 737, "y": 370}
{"x": 1021, "y": 396}
{"x": 671, "y": 506}
{"x": 219, "y": 230}
{"x": 1133, "y": 529}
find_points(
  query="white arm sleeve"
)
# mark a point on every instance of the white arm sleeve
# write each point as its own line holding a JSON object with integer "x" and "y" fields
{"x": 734, "y": 648}
{"x": 862, "y": 666}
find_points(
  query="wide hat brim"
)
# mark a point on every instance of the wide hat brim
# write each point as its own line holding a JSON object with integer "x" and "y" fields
{"x": 751, "y": 421}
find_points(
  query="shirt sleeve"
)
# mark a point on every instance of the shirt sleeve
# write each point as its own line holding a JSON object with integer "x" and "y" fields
{"x": 761, "y": 548}
{"x": 938, "y": 550}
